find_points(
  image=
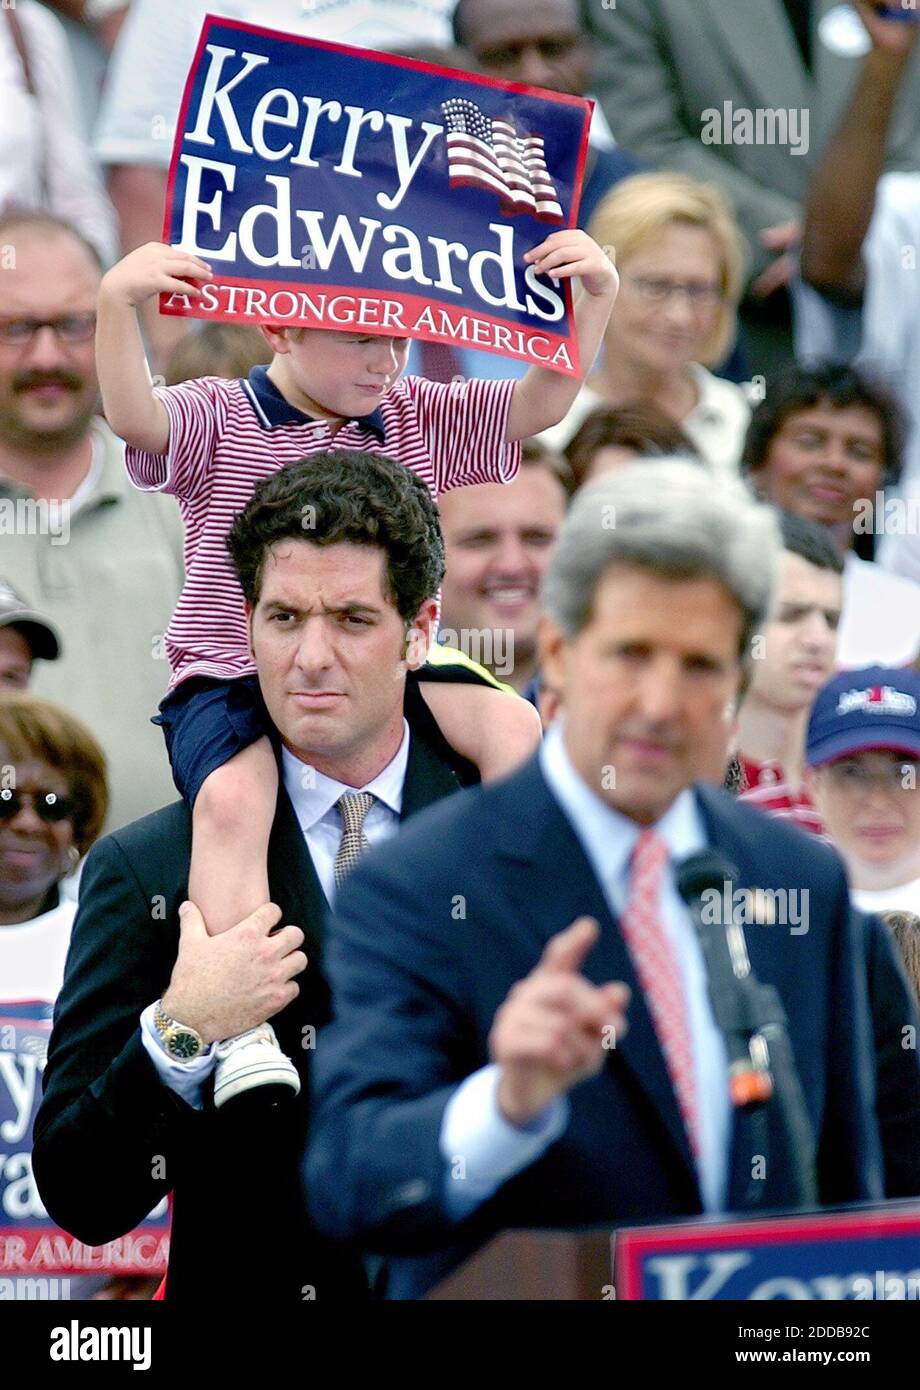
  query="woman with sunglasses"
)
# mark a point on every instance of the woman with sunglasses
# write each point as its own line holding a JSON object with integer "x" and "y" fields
{"x": 53, "y": 802}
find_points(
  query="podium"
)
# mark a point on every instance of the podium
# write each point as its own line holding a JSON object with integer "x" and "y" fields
{"x": 534, "y": 1266}
{"x": 864, "y": 1251}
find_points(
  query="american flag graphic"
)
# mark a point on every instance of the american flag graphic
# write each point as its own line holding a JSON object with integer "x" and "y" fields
{"x": 489, "y": 154}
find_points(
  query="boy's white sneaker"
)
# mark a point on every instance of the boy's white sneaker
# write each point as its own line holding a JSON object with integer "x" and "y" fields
{"x": 251, "y": 1061}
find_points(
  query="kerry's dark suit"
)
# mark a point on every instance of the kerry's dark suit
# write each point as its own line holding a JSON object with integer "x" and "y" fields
{"x": 428, "y": 939}
{"x": 111, "y": 1139}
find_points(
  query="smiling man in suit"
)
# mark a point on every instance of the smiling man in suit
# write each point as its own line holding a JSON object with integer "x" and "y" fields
{"x": 477, "y": 1074}
{"x": 340, "y": 558}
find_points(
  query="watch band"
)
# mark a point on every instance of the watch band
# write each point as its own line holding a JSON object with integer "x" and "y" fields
{"x": 181, "y": 1042}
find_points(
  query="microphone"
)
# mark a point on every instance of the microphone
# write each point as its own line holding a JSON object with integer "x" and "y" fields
{"x": 753, "y": 1023}
{"x": 704, "y": 878}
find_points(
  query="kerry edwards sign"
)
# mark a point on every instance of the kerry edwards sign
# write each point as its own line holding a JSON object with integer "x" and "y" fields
{"x": 857, "y": 1255}
{"x": 30, "y": 1243}
{"x": 333, "y": 187}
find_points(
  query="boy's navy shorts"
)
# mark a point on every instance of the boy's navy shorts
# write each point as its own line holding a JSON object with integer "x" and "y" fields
{"x": 206, "y": 722}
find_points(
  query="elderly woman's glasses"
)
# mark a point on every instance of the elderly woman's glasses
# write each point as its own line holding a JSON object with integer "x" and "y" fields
{"x": 658, "y": 291}
{"x": 48, "y": 806}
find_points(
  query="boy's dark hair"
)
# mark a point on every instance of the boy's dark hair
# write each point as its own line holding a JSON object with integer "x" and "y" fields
{"x": 345, "y": 495}
{"x": 811, "y": 541}
{"x": 800, "y": 388}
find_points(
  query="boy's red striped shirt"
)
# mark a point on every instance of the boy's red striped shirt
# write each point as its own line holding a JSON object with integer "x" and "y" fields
{"x": 227, "y": 435}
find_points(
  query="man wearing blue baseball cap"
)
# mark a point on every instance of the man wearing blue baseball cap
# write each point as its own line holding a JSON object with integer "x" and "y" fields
{"x": 863, "y": 749}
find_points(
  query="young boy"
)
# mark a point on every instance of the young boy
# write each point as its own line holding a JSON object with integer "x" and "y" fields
{"x": 208, "y": 442}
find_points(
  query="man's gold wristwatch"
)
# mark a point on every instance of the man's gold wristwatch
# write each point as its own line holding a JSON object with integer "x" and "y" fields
{"x": 180, "y": 1042}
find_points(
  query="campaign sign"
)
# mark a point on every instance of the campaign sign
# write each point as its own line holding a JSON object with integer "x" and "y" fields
{"x": 335, "y": 187}
{"x": 30, "y": 1242}
{"x": 857, "y": 1255}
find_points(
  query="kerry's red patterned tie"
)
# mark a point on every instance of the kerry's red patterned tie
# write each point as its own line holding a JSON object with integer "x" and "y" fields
{"x": 656, "y": 966}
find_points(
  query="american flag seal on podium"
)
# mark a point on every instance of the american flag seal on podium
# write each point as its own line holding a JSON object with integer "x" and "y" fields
{"x": 490, "y": 154}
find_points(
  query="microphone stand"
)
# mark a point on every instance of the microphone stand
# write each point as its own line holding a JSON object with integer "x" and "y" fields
{"x": 753, "y": 1023}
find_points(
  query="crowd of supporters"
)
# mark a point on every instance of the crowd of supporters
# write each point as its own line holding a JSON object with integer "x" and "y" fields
{"x": 766, "y": 329}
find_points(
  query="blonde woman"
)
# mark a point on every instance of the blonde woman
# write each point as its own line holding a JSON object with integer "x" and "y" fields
{"x": 680, "y": 257}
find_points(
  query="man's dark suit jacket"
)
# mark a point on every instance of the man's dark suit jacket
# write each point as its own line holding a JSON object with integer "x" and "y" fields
{"x": 111, "y": 1139}
{"x": 662, "y": 66}
{"x": 429, "y": 937}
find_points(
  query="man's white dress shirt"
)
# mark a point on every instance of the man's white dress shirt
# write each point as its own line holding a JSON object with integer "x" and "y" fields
{"x": 313, "y": 797}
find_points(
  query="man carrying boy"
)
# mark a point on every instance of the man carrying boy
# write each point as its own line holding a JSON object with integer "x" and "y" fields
{"x": 127, "y": 1114}
{"x": 208, "y": 442}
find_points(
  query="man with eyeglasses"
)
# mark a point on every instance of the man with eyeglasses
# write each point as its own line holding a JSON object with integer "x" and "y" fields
{"x": 101, "y": 562}
{"x": 863, "y": 748}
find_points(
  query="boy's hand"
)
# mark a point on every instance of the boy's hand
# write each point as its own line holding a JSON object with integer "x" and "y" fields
{"x": 151, "y": 270}
{"x": 541, "y": 398}
{"x": 572, "y": 252}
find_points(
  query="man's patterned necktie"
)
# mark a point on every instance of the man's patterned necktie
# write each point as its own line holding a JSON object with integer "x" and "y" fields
{"x": 656, "y": 966}
{"x": 352, "y": 807}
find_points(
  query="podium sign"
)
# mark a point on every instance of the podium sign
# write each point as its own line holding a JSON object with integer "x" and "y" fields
{"x": 854, "y": 1255}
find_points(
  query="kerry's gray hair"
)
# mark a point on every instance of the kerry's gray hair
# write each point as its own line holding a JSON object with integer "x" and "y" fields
{"x": 674, "y": 519}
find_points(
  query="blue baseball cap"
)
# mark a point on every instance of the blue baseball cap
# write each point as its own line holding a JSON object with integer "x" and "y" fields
{"x": 877, "y": 707}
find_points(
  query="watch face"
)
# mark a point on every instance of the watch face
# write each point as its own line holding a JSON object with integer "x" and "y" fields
{"x": 183, "y": 1045}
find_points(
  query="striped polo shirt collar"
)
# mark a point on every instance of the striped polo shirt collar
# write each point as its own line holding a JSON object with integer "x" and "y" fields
{"x": 272, "y": 410}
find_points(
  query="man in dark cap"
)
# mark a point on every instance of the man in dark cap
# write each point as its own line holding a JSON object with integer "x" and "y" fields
{"x": 25, "y": 636}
